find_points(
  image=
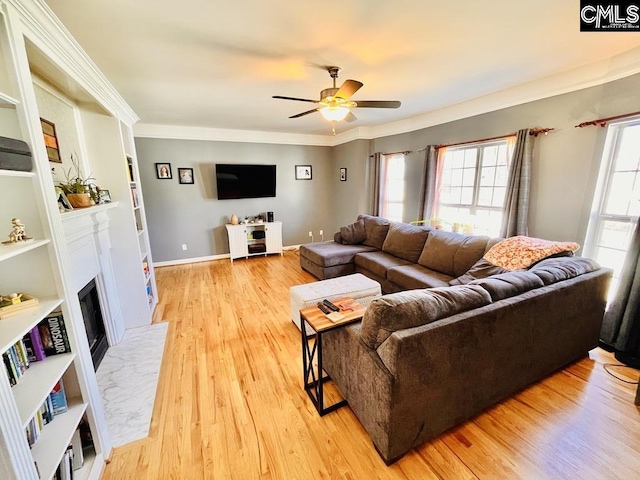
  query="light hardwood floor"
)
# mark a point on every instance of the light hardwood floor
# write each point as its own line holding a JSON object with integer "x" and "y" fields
{"x": 230, "y": 402}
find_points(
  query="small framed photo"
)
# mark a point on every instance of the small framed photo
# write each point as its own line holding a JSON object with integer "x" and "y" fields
{"x": 185, "y": 176}
{"x": 163, "y": 171}
{"x": 343, "y": 174}
{"x": 303, "y": 172}
{"x": 104, "y": 196}
{"x": 50, "y": 140}
{"x": 63, "y": 203}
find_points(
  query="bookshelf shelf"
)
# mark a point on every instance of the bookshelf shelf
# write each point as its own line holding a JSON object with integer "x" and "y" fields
{"x": 55, "y": 437}
{"x": 7, "y": 101}
{"x": 37, "y": 382}
{"x": 10, "y": 251}
{"x": 13, "y": 328}
{"x": 15, "y": 173}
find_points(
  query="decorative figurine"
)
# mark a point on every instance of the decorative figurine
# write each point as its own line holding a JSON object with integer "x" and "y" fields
{"x": 18, "y": 234}
{"x": 234, "y": 219}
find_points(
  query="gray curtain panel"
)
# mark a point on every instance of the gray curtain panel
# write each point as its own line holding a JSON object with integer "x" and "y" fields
{"x": 428, "y": 190}
{"x": 621, "y": 325}
{"x": 516, "y": 201}
{"x": 376, "y": 170}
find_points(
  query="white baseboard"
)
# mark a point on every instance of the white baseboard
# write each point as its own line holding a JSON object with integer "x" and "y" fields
{"x": 183, "y": 261}
{"x": 208, "y": 258}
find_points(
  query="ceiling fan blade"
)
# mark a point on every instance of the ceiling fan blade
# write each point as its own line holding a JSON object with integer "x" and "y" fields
{"x": 304, "y": 113}
{"x": 350, "y": 117}
{"x": 348, "y": 88}
{"x": 378, "y": 104}
{"x": 294, "y": 98}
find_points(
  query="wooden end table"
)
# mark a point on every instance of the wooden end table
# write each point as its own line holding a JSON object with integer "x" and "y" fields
{"x": 314, "y": 379}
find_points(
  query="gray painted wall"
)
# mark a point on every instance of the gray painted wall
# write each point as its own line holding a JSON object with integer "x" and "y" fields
{"x": 565, "y": 168}
{"x": 350, "y": 198}
{"x": 191, "y": 214}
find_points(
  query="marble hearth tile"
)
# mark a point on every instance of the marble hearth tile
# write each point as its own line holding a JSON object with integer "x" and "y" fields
{"x": 128, "y": 379}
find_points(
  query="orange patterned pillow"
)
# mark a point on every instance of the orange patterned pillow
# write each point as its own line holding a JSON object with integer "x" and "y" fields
{"x": 515, "y": 253}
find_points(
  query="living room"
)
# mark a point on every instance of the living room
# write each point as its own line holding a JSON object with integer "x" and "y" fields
{"x": 230, "y": 401}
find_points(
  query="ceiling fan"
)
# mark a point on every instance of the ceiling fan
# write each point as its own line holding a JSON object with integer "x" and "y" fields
{"x": 335, "y": 103}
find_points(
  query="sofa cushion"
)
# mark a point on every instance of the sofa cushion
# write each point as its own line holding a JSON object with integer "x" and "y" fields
{"x": 554, "y": 270}
{"x": 329, "y": 254}
{"x": 353, "y": 234}
{"x": 376, "y": 229}
{"x": 378, "y": 262}
{"x": 405, "y": 241}
{"x": 337, "y": 237}
{"x": 452, "y": 253}
{"x": 410, "y": 277}
{"x": 413, "y": 308}
{"x": 515, "y": 253}
{"x": 481, "y": 269}
{"x": 509, "y": 284}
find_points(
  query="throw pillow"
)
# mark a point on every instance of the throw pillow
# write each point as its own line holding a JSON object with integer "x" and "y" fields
{"x": 481, "y": 269}
{"x": 353, "y": 234}
{"x": 337, "y": 237}
{"x": 516, "y": 253}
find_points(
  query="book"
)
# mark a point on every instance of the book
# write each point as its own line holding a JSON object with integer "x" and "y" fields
{"x": 78, "y": 454}
{"x": 54, "y": 335}
{"x": 36, "y": 342}
{"x": 58, "y": 398}
{"x": 10, "y": 369}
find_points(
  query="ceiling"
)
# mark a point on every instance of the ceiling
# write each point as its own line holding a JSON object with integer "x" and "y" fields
{"x": 209, "y": 63}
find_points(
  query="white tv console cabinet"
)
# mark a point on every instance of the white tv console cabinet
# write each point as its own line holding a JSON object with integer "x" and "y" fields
{"x": 251, "y": 239}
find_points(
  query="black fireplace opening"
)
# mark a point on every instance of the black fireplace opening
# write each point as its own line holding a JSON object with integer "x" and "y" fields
{"x": 93, "y": 322}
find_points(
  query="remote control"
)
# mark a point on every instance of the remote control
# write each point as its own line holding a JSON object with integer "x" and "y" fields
{"x": 324, "y": 309}
{"x": 330, "y": 305}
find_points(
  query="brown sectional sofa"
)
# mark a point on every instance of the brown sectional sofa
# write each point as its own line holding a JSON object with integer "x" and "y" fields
{"x": 425, "y": 359}
{"x": 397, "y": 255}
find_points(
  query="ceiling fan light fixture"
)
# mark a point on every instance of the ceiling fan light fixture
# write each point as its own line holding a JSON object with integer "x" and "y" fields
{"x": 334, "y": 113}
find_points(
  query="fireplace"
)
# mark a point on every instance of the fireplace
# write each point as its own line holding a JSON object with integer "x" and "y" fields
{"x": 93, "y": 322}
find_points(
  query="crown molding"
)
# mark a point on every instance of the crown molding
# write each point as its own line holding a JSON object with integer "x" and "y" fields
{"x": 48, "y": 34}
{"x": 177, "y": 132}
{"x": 598, "y": 73}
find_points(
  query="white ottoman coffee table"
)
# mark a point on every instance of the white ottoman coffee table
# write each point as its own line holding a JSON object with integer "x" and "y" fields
{"x": 356, "y": 286}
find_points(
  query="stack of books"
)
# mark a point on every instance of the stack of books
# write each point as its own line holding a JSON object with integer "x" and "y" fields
{"x": 55, "y": 404}
{"x": 47, "y": 338}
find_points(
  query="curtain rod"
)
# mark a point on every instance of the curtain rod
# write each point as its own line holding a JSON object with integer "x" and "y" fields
{"x": 406, "y": 152}
{"x": 603, "y": 121}
{"x": 533, "y": 132}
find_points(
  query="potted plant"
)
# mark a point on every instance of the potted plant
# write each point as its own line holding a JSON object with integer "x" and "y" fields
{"x": 80, "y": 191}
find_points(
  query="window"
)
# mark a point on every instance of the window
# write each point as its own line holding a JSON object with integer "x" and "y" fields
{"x": 616, "y": 204}
{"x": 472, "y": 186}
{"x": 392, "y": 187}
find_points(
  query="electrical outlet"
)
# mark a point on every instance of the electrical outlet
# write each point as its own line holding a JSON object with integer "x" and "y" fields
{"x": 310, "y": 234}
{"x": 321, "y": 232}
{"x": 184, "y": 246}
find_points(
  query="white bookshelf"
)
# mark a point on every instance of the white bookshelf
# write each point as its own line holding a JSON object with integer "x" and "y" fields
{"x": 32, "y": 39}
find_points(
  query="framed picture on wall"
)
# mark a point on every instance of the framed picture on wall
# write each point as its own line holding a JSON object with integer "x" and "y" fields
{"x": 163, "y": 171}
{"x": 303, "y": 172}
{"x": 50, "y": 140}
{"x": 185, "y": 176}
{"x": 343, "y": 174}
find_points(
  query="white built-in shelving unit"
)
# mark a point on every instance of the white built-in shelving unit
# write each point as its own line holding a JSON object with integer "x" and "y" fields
{"x": 35, "y": 47}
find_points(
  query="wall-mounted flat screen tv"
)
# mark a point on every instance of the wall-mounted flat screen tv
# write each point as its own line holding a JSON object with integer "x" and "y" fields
{"x": 245, "y": 181}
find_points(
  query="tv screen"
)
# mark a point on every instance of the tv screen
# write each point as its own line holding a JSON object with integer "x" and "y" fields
{"x": 245, "y": 181}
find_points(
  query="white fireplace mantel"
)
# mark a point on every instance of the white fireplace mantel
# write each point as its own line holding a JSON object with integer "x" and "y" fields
{"x": 87, "y": 234}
